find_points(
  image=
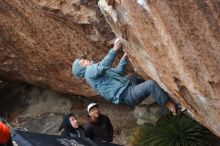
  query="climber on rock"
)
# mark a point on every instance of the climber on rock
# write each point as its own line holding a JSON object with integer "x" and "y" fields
{"x": 114, "y": 86}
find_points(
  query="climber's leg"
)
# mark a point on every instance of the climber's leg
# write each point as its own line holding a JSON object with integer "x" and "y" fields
{"x": 136, "y": 94}
{"x": 134, "y": 79}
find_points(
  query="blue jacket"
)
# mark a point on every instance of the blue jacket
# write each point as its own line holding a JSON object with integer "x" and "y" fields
{"x": 108, "y": 82}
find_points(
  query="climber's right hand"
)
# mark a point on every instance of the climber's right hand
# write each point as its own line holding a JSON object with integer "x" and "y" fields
{"x": 125, "y": 56}
{"x": 117, "y": 44}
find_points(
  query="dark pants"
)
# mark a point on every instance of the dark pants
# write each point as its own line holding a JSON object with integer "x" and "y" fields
{"x": 140, "y": 89}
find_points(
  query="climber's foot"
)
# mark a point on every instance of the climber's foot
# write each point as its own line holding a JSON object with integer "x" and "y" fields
{"x": 175, "y": 108}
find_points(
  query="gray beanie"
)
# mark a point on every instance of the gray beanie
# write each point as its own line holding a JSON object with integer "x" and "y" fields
{"x": 77, "y": 69}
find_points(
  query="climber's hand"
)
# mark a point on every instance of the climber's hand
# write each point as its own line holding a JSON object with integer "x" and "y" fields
{"x": 125, "y": 56}
{"x": 117, "y": 44}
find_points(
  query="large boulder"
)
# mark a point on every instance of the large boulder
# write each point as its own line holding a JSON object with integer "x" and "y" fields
{"x": 177, "y": 44}
{"x": 40, "y": 39}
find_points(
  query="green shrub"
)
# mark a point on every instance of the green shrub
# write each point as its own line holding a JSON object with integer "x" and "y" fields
{"x": 175, "y": 131}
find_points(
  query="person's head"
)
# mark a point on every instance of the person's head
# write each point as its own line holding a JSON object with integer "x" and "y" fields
{"x": 79, "y": 67}
{"x": 73, "y": 121}
{"x": 69, "y": 123}
{"x": 93, "y": 110}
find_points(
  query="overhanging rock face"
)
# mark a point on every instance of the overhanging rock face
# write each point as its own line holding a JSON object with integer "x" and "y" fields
{"x": 177, "y": 43}
{"x": 40, "y": 39}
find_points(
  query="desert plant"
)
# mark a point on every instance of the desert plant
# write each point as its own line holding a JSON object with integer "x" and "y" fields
{"x": 175, "y": 131}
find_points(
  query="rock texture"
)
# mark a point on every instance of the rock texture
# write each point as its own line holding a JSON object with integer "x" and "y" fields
{"x": 177, "y": 44}
{"x": 39, "y": 39}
